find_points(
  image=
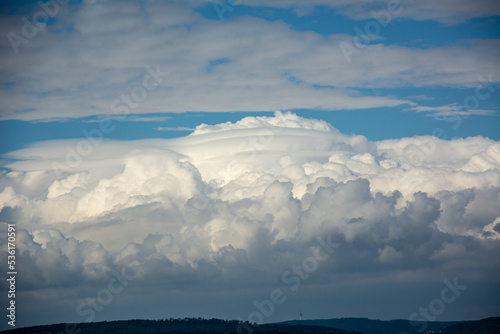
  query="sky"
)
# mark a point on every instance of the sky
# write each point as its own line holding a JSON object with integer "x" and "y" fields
{"x": 250, "y": 159}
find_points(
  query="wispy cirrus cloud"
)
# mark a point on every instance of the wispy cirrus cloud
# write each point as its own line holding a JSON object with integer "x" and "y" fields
{"x": 178, "y": 128}
{"x": 130, "y": 118}
{"x": 452, "y": 110}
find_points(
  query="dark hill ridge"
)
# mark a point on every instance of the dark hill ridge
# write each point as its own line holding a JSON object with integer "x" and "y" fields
{"x": 368, "y": 326}
{"x": 177, "y": 326}
{"x": 488, "y": 325}
{"x": 217, "y": 326}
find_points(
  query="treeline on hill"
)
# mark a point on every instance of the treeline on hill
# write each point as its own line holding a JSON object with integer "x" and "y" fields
{"x": 370, "y": 326}
{"x": 217, "y": 326}
{"x": 488, "y": 325}
{"x": 175, "y": 326}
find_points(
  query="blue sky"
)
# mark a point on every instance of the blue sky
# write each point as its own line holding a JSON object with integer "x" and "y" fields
{"x": 377, "y": 124}
{"x": 211, "y": 146}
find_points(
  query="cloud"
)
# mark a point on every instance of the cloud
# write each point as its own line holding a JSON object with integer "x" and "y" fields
{"x": 293, "y": 177}
{"x": 447, "y": 12}
{"x": 249, "y": 199}
{"x": 442, "y": 112}
{"x": 389, "y": 254}
{"x": 131, "y": 118}
{"x": 50, "y": 260}
{"x": 305, "y": 69}
{"x": 448, "y": 251}
{"x": 178, "y": 128}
